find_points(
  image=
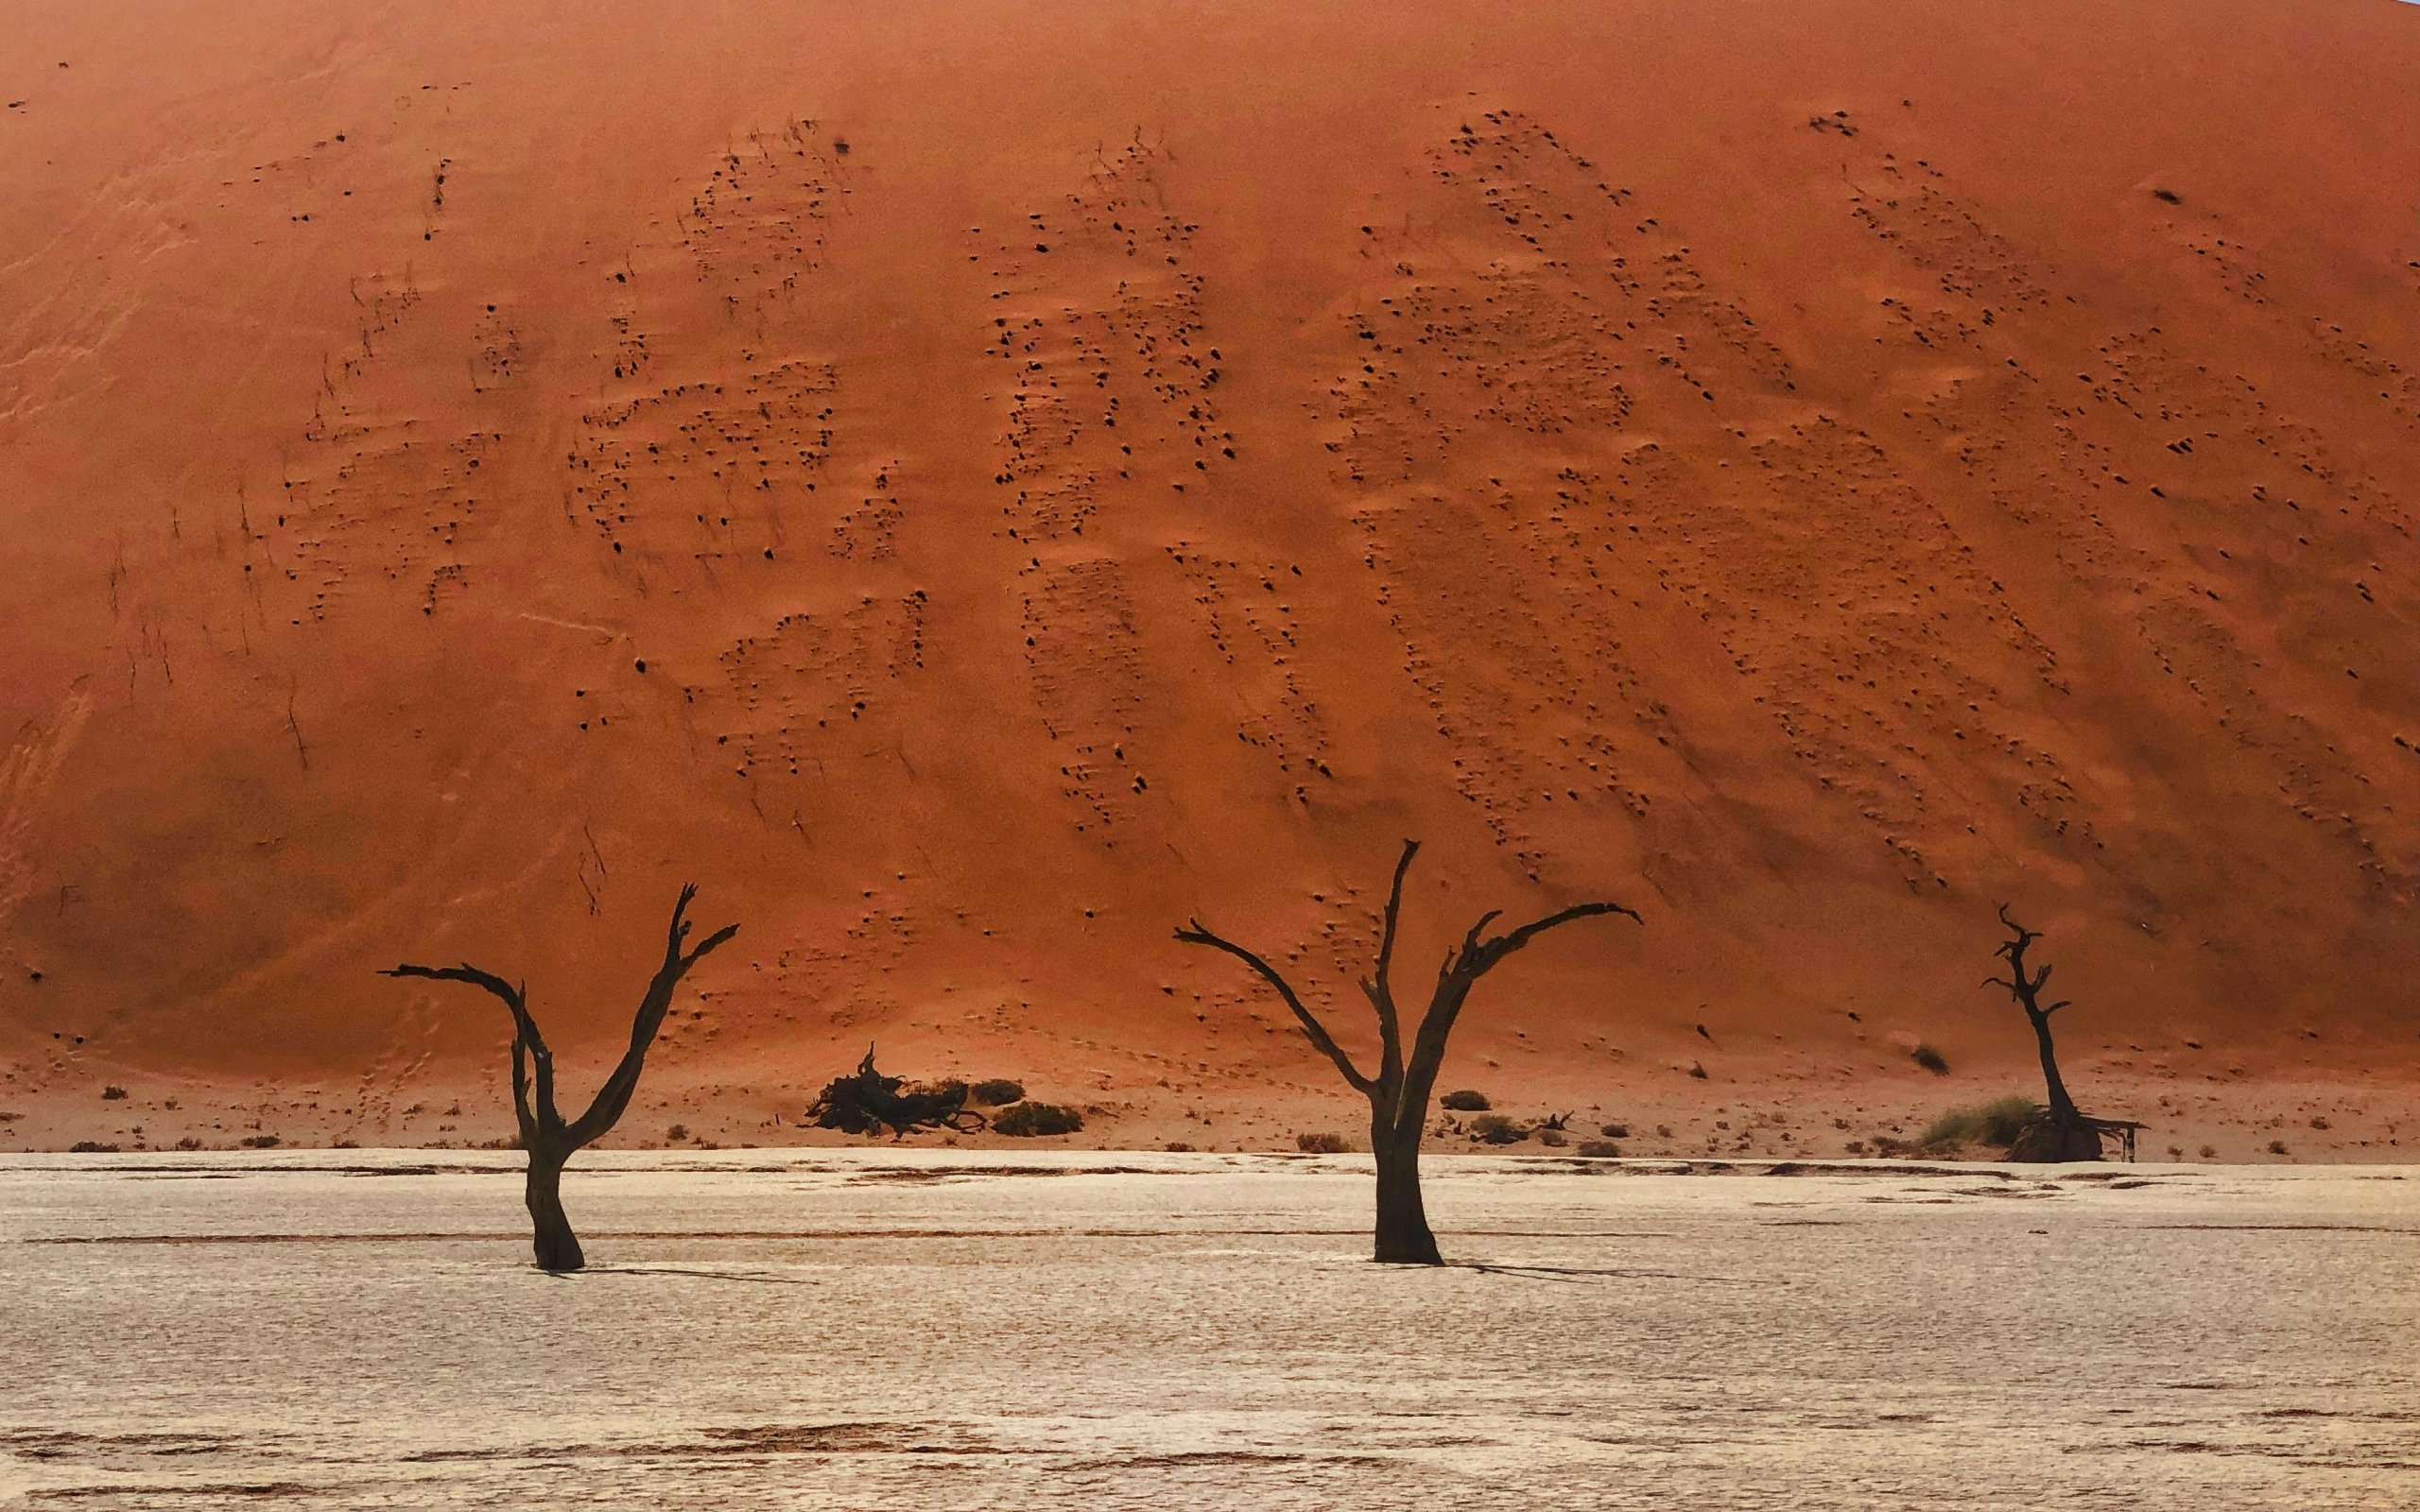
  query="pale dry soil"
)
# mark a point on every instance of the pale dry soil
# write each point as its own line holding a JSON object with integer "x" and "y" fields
{"x": 970, "y": 1330}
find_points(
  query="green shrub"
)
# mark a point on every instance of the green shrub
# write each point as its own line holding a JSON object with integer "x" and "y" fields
{"x": 1179, "y": 1147}
{"x": 1599, "y": 1149}
{"x": 260, "y": 1142}
{"x": 998, "y": 1091}
{"x": 189, "y": 1143}
{"x": 1996, "y": 1123}
{"x": 91, "y": 1147}
{"x": 1495, "y": 1128}
{"x": 1320, "y": 1143}
{"x": 1030, "y": 1120}
{"x": 1553, "y": 1138}
{"x": 1615, "y": 1131}
{"x": 1465, "y": 1101}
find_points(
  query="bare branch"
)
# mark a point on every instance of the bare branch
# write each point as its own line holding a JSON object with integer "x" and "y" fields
{"x": 464, "y": 972}
{"x": 1515, "y": 940}
{"x": 1195, "y": 933}
{"x": 1380, "y": 989}
{"x": 615, "y": 1096}
{"x": 1475, "y": 957}
{"x": 522, "y": 1117}
{"x": 2024, "y": 936}
{"x": 543, "y": 1116}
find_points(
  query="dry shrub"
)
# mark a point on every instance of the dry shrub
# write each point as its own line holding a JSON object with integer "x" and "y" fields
{"x": 1495, "y": 1128}
{"x": 1996, "y": 1123}
{"x": 1037, "y": 1120}
{"x": 1465, "y": 1101}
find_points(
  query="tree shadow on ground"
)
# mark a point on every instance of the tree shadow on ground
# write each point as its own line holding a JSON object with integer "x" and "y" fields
{"x": 699, "y": 1273}
{"x": 1580, "y": 1273}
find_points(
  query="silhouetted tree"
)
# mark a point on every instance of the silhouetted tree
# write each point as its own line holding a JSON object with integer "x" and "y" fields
{"x": 2062, "y": 1132}
{"x": 550, "y": 1139}
{"x": 1399, "y": 1091}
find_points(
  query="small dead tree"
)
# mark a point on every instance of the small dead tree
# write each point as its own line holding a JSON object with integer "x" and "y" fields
{"x": 2062, "y": 1132}
{"x": 870, "y": 1102}
{"x": 1399, "y": 1091}
{"x": 549, "y": 1139}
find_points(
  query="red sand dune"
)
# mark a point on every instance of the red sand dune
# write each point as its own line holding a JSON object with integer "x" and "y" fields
{"x": 973, "y": 485}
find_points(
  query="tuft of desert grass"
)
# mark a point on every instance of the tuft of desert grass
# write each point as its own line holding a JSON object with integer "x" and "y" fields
{"x": 1996, "y": 1123}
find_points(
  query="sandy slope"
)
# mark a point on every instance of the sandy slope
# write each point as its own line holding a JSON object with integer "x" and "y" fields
{"x": 974, "y": 484}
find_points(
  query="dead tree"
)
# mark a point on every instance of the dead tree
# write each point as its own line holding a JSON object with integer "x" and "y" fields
{"x": 549, "y": 1140}
{"x": 2061, "y": 1132}
{"x": 1399, "y": 1091}
{"x": 870, "y": 1102}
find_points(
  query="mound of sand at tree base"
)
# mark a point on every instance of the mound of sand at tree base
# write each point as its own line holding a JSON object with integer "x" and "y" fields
{"x": 975, "y": 484}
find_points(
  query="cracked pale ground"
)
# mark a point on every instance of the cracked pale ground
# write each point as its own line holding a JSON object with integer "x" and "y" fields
{"x": 937, "y": 1328}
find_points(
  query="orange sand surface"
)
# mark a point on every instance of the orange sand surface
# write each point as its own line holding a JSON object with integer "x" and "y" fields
{"x": 973, "y": 485}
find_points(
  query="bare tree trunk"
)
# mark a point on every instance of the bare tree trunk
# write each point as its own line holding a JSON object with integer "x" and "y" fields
{"x": 1403, "y": 1234}
{"x": 556, "y": 1246}
{"x": 2062, "y": 1107}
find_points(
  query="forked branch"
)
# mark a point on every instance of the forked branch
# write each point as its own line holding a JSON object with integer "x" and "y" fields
{"x": 615, "y": 1096}
{"x": 538, "y": 1116}
{"x": 1475, "y": 957}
